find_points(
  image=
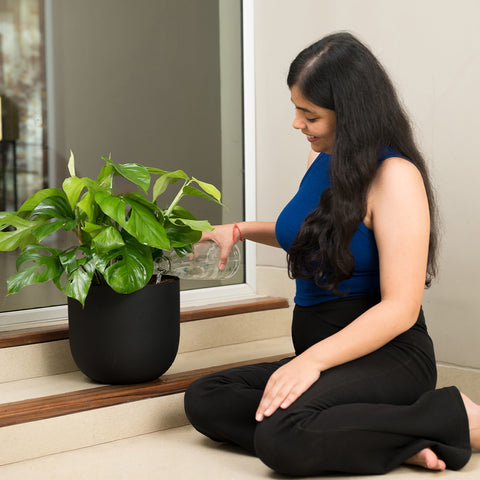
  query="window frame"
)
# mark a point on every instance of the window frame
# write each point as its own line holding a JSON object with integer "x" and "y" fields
{"x": 200, "y": 296}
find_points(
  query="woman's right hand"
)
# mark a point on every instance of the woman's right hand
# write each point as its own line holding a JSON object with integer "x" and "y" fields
{"x": 225, "y": 236}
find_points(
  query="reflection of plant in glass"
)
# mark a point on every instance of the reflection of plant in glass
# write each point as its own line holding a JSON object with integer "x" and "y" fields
{"x": 119, "y": 235}
{"x": 22, "y": 82}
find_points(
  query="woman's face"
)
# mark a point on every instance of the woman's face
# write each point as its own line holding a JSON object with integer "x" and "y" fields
{"x": 317, "y": 123}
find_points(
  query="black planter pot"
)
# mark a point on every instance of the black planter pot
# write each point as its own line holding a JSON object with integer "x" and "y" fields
{"x": 122, "y": 339}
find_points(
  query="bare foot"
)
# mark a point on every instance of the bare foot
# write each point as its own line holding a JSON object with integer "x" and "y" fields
{"x": 427, "y": 458}
{"x": 473, "y": 414}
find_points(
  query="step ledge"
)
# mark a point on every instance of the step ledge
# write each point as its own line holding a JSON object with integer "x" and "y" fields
{"x": 28, "y": 336}
{"x": 24, "y": 411}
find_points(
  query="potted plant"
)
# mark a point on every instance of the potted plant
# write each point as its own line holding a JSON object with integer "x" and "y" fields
{"x": 123, "y": 321}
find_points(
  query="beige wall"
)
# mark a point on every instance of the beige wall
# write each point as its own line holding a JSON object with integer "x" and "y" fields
{"x": 432, "y": 51}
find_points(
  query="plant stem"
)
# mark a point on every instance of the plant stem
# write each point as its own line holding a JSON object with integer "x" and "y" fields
{"x": 177, "y": 198}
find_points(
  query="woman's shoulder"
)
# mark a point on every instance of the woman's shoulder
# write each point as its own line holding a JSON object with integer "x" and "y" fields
{"x": 397, "y": 181}
{"x": 391, "y": 163}
{"x": 396, "y": 173}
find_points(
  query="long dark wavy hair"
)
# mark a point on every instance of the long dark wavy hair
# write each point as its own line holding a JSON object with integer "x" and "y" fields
{"x": 340, "y": 73}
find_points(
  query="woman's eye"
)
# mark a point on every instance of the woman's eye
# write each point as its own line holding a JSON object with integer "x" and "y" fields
{"x": 311, "y": 119}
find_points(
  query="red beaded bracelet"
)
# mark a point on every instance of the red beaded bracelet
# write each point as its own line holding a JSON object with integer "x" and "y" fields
{"x": 236, "y": 227}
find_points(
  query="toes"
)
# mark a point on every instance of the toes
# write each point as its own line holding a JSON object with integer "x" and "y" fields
{"x": 432, "y": 462}
{"x": 426, "y": 458}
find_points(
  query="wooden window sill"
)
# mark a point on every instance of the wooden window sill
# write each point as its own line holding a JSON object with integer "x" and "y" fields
{"x": 28, "y": 336}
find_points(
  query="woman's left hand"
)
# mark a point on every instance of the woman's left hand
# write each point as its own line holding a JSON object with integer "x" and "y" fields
{"x": 286, "y": 384}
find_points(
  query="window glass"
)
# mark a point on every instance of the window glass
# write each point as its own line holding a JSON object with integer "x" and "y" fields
{"x": 155, "y": 82}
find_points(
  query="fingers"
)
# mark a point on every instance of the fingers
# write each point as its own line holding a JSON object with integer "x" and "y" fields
{"x": 286, "y": 385}
{"x": 224, "y": 253}
{"x": 290, "y": 398}
{"x": 222, "y": 236}
{"x": 266, "y": 406}
{"x": 277, "y": 395}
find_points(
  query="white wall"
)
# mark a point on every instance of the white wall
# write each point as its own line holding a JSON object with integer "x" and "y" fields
{"x": 432, "y": 50}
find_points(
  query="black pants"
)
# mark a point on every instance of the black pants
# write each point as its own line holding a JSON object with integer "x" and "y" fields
{"x": 363, "y": 417}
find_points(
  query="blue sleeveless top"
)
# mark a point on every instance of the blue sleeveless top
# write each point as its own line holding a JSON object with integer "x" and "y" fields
{"x": 365, "y": 279}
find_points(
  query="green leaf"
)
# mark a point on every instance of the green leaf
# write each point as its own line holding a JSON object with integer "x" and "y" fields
{"x": 141, "y": 222}
{"x": 51, "y": 227}
{"x": 92, "y": 185}
{"x": 114, "y": 206}
{"x": 182, "y": 212}
{"x": 188, "y": 190}
{"x": 201, "y": 225}
{"x": 209, "y": 188}
{"x": 108, "y": 239}
{"x": 54, "y": 207}
{"x": 39, "y": 197}
{"x": 44, "y": 268}
{"x": 94, "y": 261}
{"x": 161, "y": 185}
{"x": 87, "y": 204}
{"x": 139, "y": 198}
{"x": 21, "y": 236}
{"x": 68, "y": 260}
{"x": 177, "y": 173}
{"x": 181, "y": 236}
{"x": 78, "y": 284}
{"x": 132, "y": 270}
{"x": 92, "y": 228}
{"x": 134, "y": 172}
{"x": 34, "y": 248}
{"x": 104, "y": 179}
{"x": 73, "y": 186}
{"x": 79, "y": 265}
{"x": 167, "y": 178}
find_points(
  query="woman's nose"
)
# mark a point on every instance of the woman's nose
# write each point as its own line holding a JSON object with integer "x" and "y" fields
{"x": 298, "y": 123}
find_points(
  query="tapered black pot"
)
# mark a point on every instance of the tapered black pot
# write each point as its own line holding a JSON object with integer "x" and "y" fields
{"x": 123, "y": 339}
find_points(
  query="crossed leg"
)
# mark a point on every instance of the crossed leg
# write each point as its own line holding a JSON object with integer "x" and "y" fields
{"x": 222, "y": 406}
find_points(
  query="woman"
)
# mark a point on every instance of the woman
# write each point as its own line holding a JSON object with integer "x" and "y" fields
{"x": 359, "y": 396}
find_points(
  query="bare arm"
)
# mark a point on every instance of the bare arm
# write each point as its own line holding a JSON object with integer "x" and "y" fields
{"x": 260, "y": 232}
{"x": 399, "y": 215}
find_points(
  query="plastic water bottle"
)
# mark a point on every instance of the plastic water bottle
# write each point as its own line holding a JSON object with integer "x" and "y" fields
{"x": 202, "y": 264}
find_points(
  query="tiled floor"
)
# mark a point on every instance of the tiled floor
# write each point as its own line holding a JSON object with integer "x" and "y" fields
{"x": 181, "y": 454}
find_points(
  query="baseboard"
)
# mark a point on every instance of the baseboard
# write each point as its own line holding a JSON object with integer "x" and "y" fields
{"x": 466, "y": 379}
